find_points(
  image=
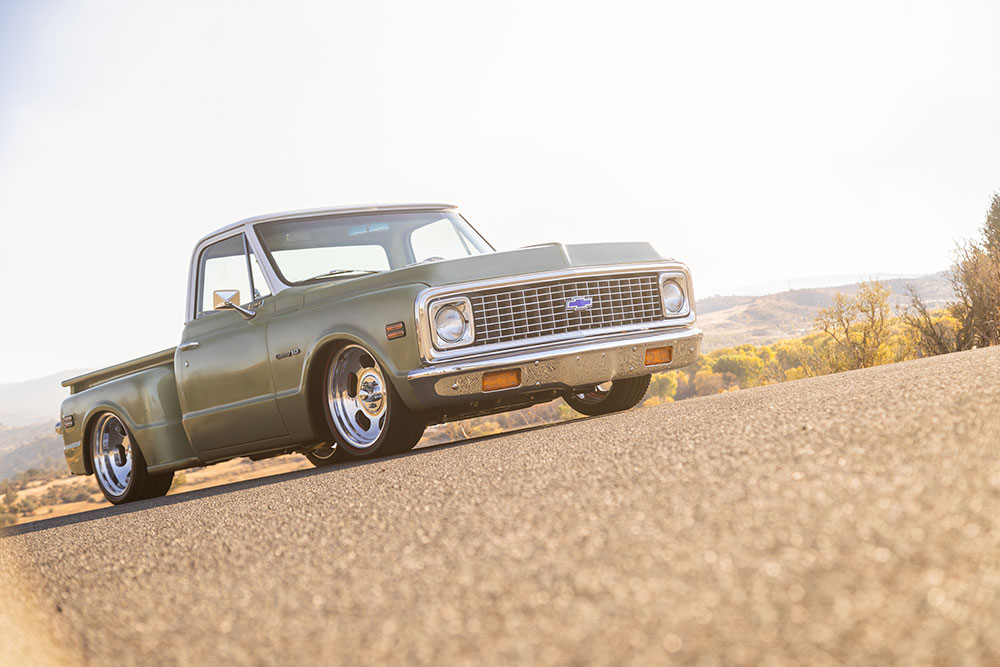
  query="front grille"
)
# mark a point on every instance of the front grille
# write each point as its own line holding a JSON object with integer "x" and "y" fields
{"x": 540, "y": 309}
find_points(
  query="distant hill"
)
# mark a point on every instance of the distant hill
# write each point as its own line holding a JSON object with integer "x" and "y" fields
{"x": 732, "y": 320}
{"x": 28, "y": 414}
{"x": 810, "y": 282}
{"x": 37, "y": 446}
{"x": 33, "y": 401}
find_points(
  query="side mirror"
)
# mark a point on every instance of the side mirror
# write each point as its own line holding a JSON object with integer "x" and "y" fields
{"x": 226, "y": 299}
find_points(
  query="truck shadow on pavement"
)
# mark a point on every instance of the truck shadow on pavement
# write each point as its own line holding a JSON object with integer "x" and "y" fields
{"x": 117, "y": 510}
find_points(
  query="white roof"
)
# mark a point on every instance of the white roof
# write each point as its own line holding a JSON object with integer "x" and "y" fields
{"x": 329, "y": 210}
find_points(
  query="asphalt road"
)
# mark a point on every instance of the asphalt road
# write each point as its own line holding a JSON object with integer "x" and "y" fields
{"x": 847, "y": 519}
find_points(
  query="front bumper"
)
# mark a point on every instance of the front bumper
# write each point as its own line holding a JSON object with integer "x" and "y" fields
{"x": 565, "y": 366}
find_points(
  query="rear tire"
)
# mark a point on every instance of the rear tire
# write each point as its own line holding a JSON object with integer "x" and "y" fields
{"x": 365, "y": 414}
{"x": 118, "y": 463}
{"x": 598, "y": 400}
{"x": 326, "y": 455}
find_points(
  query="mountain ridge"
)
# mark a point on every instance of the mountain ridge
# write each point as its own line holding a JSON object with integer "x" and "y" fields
{"x": 738, "y": 319}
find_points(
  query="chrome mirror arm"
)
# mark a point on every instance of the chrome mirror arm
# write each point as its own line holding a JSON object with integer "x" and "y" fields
{"x": 245, "y": 312}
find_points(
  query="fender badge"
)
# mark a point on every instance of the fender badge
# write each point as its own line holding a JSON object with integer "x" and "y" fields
{"x": 285, "y": 355}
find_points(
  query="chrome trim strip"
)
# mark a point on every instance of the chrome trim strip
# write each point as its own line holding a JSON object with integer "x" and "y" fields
{"x": 524, "y": 357}
{"x": 431, "y": 355}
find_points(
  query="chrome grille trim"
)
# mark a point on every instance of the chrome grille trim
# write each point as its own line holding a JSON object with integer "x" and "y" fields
{"x": 537, "y": 310}
{"x": 431, "y": 355}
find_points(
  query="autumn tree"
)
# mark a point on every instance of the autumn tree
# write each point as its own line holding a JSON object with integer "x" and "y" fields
{"x": 933, "y": 332}
{"x": 663, "y": 385}
{"x": 858, "y": 325}
{"x": 976, "y": 281}
{"x": 973, "y": 320}
{"x": 746, "y": 368}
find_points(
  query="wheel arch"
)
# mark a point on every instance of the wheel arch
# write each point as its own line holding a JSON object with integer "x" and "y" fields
{"x": 314, "y": 374}
{"x": 90, "y": 421}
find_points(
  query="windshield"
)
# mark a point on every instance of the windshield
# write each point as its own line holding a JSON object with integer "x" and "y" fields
{"x": 347, "y": 246}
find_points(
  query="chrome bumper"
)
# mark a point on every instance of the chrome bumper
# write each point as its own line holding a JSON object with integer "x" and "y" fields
{"x": 555, "y": 367}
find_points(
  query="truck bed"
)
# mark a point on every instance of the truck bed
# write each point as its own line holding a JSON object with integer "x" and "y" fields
{"x": 94, "y": 378}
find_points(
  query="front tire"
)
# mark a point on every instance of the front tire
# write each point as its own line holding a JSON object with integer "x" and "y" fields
{"x": 363, "y": 410}
{"x": 603, "y": 399}
{"x": 119, "y": 466}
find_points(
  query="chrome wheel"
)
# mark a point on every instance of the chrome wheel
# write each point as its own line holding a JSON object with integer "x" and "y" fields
{"x": 595, "y": 394}
{"x": 357, "y": 398}
{"x": 111, "y": 451}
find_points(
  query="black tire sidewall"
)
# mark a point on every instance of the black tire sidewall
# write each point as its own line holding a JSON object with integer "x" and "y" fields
{"x": 623, "y": 395}
{"x": 320, "y": 462}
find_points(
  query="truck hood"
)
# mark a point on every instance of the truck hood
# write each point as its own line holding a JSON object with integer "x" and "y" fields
{"x": 533, "y": 259}
{"x": 548, "y": 257}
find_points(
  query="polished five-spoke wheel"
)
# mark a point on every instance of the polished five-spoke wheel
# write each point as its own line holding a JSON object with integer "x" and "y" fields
{"x": 118, "y": 463}
{"x": 111, "y": 453}
{"x": 365, "y": 413}
{"x": 356, "y": 398}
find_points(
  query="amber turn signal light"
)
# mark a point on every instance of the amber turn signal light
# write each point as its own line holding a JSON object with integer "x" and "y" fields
{"x": 501, "y": 380}
{"x": 659, "y": 355}
{"x": 395, "y": 330}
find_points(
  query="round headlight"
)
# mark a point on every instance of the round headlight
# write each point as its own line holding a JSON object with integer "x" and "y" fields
{"x": 450, "y": 324}
{"x": 673, "y": 297}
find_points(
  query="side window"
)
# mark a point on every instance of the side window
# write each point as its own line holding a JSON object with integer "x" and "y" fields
{"x": 223, "y": 266}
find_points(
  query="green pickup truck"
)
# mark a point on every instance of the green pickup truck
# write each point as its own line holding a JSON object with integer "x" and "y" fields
{"x": 341, "y": 333}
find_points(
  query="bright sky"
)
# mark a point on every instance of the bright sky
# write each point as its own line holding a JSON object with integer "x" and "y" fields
{"x": 756, "y": 141}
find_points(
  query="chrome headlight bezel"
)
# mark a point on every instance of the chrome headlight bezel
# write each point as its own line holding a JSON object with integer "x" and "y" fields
{"x": 680, "y": 281}
{"x": 463, "y": 307}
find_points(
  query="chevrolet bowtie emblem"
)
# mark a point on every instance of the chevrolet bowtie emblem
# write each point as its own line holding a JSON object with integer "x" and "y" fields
{"x": 579, "y": 303}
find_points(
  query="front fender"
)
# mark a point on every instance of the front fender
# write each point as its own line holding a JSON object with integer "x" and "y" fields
{"x": 325, "y": 322}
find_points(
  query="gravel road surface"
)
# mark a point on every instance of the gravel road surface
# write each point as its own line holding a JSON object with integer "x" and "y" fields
{"x": 847, "y": 519}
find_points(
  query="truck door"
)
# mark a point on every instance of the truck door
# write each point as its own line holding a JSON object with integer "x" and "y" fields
{"x": 222, "y": 365}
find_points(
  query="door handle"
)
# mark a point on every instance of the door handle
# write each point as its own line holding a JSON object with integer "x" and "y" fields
{"x": 194, "y": 345}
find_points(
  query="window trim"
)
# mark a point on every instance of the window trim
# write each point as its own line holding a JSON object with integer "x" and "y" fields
{"x": 195, "y": 287}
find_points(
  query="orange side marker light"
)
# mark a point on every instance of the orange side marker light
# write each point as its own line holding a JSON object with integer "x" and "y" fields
{"x": 501, "y": 380}
{"x": 659, "y": 355}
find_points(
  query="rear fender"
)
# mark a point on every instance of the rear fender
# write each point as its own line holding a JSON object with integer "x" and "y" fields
{"x": 147, "y": 404}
